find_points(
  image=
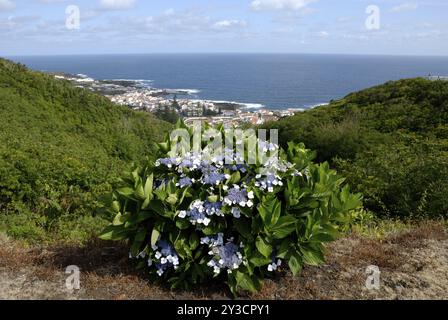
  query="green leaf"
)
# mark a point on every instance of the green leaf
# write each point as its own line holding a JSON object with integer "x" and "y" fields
{"x": 194, "y": 241}
{"x": 144, "y": 215}
{"x": 172, "y": 199}
{"x": 140, "y": 192}
{"x": 284, "y": 227}
{"x": 146, "y": 203}
{"x": 138, "y": 241}
{"x": 232, "y": 285}
{"x": 284, "y": 249}
{"x": 259, "y": 260}
{"x": 158, "y": 207}
{"x": 182, "y": 248}
{"x": 263, "y": 247}
{"x": 213, "y": 198}
{"x": 270, "y": 210}
{"x": 312, "y": 257}
{"x": 116, "y": 207}
{"x": 185, "y": 194}
{"x": 244, "y": 228}
{"x": 245, "y": 282}
{"x": 126, "y": 192}
{"x": 149, "y": 185}
{"x": 164, "y": 147}
{"x": 183, "y": 224}
{"x": 115, "y": 233}
{"x": 155, "y": 235}
{"x": 295, "y": 264}
{"x": 322, "y": 237}
{"x": 120, "y": 219}
{"x": 235, "y": 178}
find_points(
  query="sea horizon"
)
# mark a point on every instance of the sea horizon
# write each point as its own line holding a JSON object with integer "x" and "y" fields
{"x": 271, "y": 80}
{"x": 10, "y": 56}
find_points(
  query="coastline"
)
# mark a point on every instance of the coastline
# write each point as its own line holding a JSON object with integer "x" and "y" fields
{"x": 140, "y": 94}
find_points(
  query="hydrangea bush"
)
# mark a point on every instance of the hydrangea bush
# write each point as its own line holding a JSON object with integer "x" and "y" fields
{"x": 198, "y": 217}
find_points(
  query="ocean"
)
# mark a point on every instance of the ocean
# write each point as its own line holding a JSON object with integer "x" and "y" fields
{"x": 275, "y": 81}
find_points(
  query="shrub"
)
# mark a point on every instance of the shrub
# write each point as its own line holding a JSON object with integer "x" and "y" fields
{"x": 61, "y": 149}
{"x": 192, "y": 219}
{"x": 405, "y": 179}
{"x": 390, "y": 142}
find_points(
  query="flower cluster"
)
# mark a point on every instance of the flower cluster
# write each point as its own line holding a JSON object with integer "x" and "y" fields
{"x": 165, "y": 257}
{"x": 236, "y": 212}
{"x": 239, "y": 196}
{"x": 268, "y": 182}
{"x": 201, "y": 211}
{"x": 185, "y": 181}
{"x": 215, "y": 172}
{"x": 203, "y": 162}
{"x": 225, "y": 256}
{"x": 274, "y": 265}
{"x": 213, "y": 177}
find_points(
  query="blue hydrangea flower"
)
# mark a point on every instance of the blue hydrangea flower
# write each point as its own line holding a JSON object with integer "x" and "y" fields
{"x": 218, "y": 240}
{"x": 168, "y": 162}
{"x": 274, "y": 265}
{"x": 236, "y": 213}
{"x": 201, "y": 211}
{"x": 213, "y": 208}
{"x": 213, "y": 178}
{"x": 238, "y": 196}
{"x": 165, "y": 257}
{"x": 185, "y": 182}
{"x": 225, "y": 256}
{"x": 272, "y": 165}
{"x": 191, "y": 162}
{"x": 268, "y": 182}
{"x": 197, "y": 215}
{"x": 236, "y": 167}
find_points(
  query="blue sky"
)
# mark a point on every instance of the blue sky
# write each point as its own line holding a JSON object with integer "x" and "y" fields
{"x": 419, "y": 27}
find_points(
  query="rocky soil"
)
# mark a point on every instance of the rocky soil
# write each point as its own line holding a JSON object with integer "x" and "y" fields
{"x": 413, "y": 265}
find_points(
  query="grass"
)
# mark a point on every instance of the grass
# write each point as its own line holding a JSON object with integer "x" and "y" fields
{"x": 369, "y": 225}
{"x": 382, "y": 228}
{"x": 62, "y": 149}
{"x": 31, "y": 229}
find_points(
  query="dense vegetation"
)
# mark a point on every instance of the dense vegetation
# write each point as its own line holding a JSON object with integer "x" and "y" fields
{"x": 61, "y": 149}
{"x": 390, "y": 141}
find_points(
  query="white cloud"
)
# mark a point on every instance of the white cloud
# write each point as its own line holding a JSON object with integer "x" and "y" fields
{"x": 229, "y": 24}
{"x": 117, "y": 4}
{"x": 280, "y": 5}
{"x": 16, "y": 24}
{"x": 323, "y": 34}
{"x": 405, "y": 7}
{"x": 6, "y": 5}
{"x": 50, "y": 1}
{"x": 176, "y": 23}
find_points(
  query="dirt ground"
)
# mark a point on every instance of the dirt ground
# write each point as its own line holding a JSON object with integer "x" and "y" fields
{"x": 413, "y": 265}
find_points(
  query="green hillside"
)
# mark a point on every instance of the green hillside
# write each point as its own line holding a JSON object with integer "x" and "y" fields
{"x": 391, "y": 141}
{"x": 61, "y": 149}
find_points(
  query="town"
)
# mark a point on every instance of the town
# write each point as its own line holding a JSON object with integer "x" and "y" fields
{"x": 166, "y": 104}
